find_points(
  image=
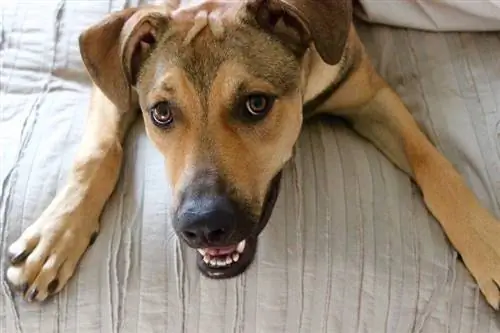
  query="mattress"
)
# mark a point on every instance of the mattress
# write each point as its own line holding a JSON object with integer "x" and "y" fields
{"x": 350, "y": 246}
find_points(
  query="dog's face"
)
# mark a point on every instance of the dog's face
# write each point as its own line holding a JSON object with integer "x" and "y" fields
{"x": 220, "y": 87}
{"x": 225, "y": 115}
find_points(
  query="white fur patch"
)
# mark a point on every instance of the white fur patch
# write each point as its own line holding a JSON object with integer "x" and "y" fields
{"x": 320, "y": 75}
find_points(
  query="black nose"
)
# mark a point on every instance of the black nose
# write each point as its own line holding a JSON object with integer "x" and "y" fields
{"x": 209, "y": 220}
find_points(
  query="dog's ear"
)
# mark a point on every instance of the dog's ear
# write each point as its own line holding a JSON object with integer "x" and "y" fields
{"x": 299, "y": 23}
{"x": 114, "y": 49}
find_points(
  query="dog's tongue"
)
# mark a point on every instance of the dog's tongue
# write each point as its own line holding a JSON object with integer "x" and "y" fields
{"x": 217, "y": 251}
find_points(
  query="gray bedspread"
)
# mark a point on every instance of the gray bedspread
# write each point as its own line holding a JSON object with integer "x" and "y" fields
{"x": 350, "y": 246}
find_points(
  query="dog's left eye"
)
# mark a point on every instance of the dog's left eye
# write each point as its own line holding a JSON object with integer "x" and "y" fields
{"x": 258, "y": 105}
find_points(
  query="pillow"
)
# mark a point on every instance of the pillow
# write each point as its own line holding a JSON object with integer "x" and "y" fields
{"x": 432, "y": 15}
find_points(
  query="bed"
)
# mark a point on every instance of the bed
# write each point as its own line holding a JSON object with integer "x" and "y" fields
{"x": 350, "y": 246}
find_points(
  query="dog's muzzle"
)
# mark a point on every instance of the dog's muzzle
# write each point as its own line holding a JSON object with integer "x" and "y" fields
{"x": 224, "y": 234}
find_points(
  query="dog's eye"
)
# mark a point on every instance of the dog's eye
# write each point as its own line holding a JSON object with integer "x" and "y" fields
{"x": 259, "y": 105}
{"x": 161, "y": 114}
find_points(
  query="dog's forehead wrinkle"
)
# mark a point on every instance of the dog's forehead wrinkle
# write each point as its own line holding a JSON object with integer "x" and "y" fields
{"x": 261, "y": 57}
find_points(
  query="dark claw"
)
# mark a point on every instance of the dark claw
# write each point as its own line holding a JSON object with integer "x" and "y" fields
{"x": 18, "y": 258}
{"x": 32, "y": 295}
{"x": 93, "y": 237}
{"x": 53, "y": 286}
{"x": 24, "y": 288}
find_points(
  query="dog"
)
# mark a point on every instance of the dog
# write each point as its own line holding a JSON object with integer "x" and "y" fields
{"x": 224, "y": 88}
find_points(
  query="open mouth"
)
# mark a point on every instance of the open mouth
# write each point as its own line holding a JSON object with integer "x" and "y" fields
{"x": 222, "y": 256}
{"x": 226, "y": 262}
{"x": 229, "y": 261}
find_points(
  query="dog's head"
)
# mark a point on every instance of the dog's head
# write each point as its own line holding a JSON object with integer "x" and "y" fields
{"x": 221, "y": 87}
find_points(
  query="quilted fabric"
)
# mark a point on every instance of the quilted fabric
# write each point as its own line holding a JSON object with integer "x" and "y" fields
{"x": 350, "y": 246}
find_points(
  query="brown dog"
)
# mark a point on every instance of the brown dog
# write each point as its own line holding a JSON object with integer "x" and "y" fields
{"x": 224, "y": 87}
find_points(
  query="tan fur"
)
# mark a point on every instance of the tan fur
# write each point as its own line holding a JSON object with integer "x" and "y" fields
{"x": 248, "y": 157}
{"x": 61, "y": 235}
{"x": 202, "y": 70}
{"x": 378, "y": 114}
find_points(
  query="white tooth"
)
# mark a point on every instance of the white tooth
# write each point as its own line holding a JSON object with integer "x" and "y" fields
{"x": 206, "y": 259}
{"x": 213, "y": 262}
{"x": 241, "y": 246}
{"x": 229, "y": 260}
{"x": 202, "y": 251}
{"x": 236, "y": 257}
{"x": 221, "y": 262}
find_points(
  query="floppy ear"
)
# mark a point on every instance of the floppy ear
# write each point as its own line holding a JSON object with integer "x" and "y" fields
{"x": 299, "y": 23}
{"x": 114, "y": 49}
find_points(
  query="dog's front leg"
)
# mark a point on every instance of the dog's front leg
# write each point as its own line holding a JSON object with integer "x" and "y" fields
{"x": 45, "y": 256}
{"x": 378, "y": 114}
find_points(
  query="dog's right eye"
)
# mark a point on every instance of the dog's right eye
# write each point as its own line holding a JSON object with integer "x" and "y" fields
{"x": 161, "y": 114}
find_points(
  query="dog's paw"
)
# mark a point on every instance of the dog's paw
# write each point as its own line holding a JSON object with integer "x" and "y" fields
{"x": 482, "y": 258}
{"x": 45, "y": 256}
